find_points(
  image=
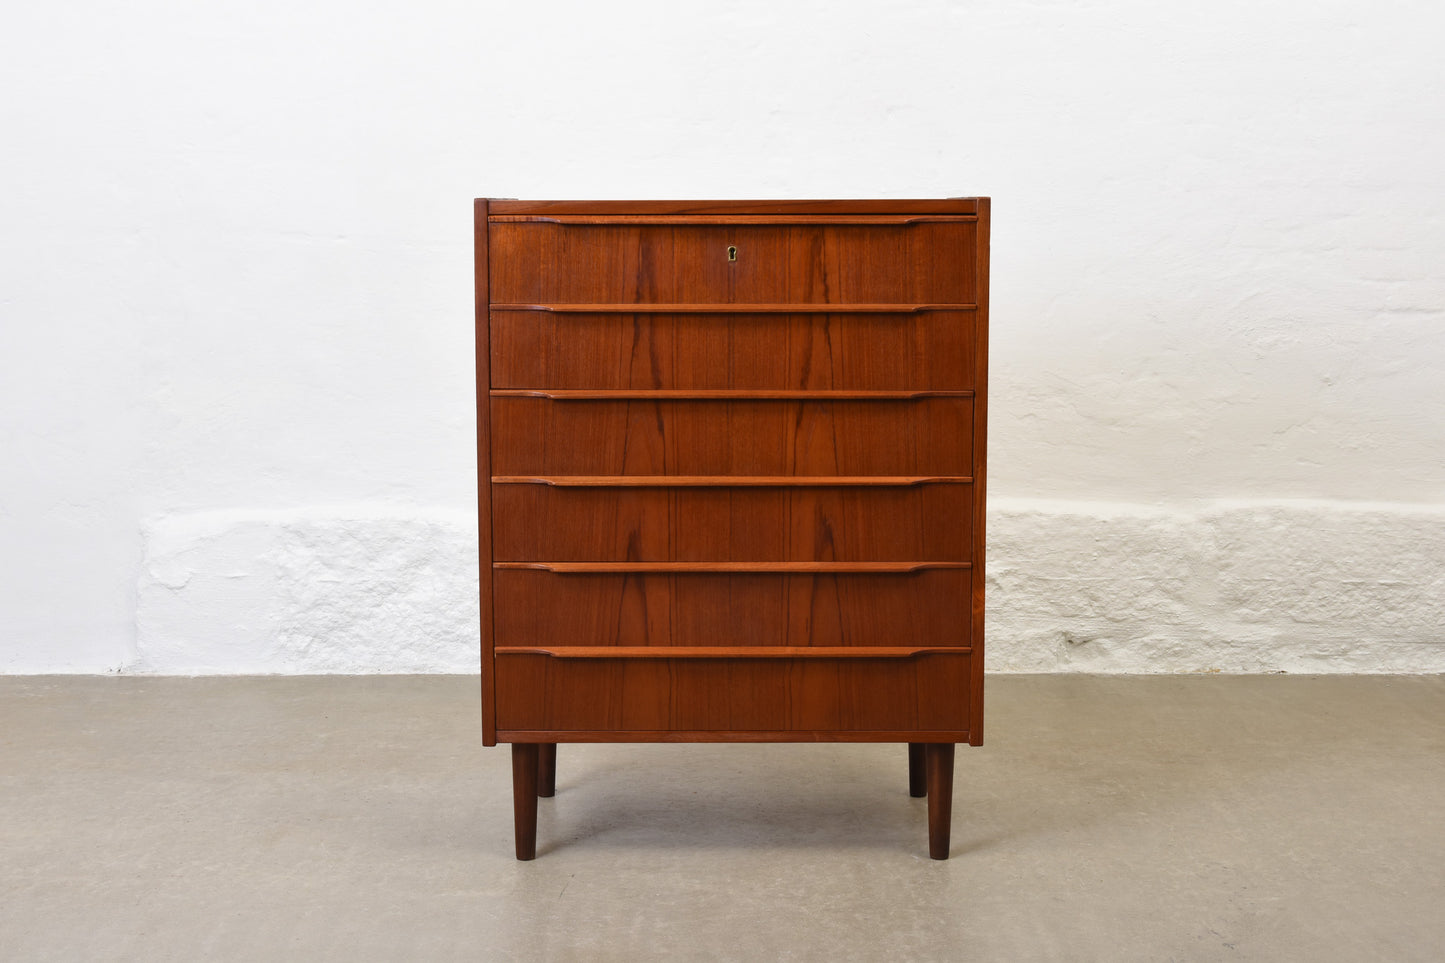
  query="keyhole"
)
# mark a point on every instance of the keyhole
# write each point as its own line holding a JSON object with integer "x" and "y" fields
{"x": 732, "y": 254}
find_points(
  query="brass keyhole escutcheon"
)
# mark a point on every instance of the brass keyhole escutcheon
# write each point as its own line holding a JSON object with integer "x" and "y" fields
{"x": 732, "y": 253}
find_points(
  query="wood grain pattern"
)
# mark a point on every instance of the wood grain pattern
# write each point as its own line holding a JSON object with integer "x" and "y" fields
{"x": 707, "y": 568}
{"x": 730, "y": 651}
{"x": 814, "y": 264}
{"x": 832, "y": 220}
{"x": 730, "y": 481}
{"x": 483, "y": 348}
{"x": 931, "y": 351}
{"x": 732, "y": 735}
{"x": 731, "y": 307}
{"x": 928, "y": 607}
{"x": 731, "y": 476}
{"x": 720, "y": 394}
{"x": 726, "y": 696}
{"x": 802, "y": 208}
{"x": 980, "y": 254}
{"x": 854, "y": 523}
{"x": 929, "y": 436}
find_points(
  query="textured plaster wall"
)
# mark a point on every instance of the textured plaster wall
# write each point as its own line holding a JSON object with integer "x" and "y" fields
{"x": 235, "y": 304}
{"x": 1096, "y": 587}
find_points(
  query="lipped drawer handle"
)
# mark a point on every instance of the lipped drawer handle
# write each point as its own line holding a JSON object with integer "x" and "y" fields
{"x": 732, "y": 481}
{"x": 732, "y": 652}
{"x": 723, "y": 394}
{"x": 732, "y": 568}
{"x": 738, "y": 220}
{"x": 727, "y": 307}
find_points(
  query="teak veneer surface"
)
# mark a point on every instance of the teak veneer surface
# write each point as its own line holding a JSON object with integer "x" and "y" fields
{"x": 504, "y": 207}
{"x": 731, "y": 477}
{"x": 752, "y": 523}
{"x": 842, "y": 352}
{"x": 543, "y": 262}
{"x": 714, "y": 437}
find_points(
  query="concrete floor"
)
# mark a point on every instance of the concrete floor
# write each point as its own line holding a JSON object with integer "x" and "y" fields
{"x": 359, "y": 818}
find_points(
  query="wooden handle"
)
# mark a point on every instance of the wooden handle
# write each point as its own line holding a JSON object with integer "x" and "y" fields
{"x": 726, "y": 568}
{"x": 602, "y": 220}
{"x": 731, "y": 481}
{"x": 719, "y": 394}
{"x": 776, "y": 307}
{"x": 732, "y": 651}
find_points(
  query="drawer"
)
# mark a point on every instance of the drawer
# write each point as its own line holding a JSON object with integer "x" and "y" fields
{"x": 884, "y": 260}
{"x": 931, "y": 522}
{"x": 866, "y": 350}
{"x": 681, "y": 697}
{"x": 563, "y": 434}
{"x": 589, "y": 604}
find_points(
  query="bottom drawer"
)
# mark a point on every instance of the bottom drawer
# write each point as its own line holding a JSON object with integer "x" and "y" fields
{"x": 735, "y": 697}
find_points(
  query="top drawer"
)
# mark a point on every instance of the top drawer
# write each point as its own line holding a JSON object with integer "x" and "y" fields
{"x": 829, "y": 259}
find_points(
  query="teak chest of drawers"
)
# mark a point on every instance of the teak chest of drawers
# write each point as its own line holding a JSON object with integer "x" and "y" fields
{"x": 731, "y": 460}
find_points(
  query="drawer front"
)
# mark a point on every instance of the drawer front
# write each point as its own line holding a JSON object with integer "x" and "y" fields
{"x": 923, "y": 522}
{"x": 924, "y": 693}
{"x": 917, "y": 437}
{"x": 867, "y": 351}
{"x": 929, "y": 606}
{"x": 926, "y": 262}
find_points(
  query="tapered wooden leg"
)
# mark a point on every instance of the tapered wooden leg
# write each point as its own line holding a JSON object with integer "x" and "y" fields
{"x": 546, "y": 769}
{"x": 524, "y": 797}
{"x": 940, "y": 797}
{"x": 917, "y": 774}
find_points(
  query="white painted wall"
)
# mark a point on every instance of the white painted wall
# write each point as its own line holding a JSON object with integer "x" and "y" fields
{"x": 235, "y": 303}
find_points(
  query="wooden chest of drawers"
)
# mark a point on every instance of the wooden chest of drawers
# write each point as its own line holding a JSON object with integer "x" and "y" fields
{"x": 731, "y": 460}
